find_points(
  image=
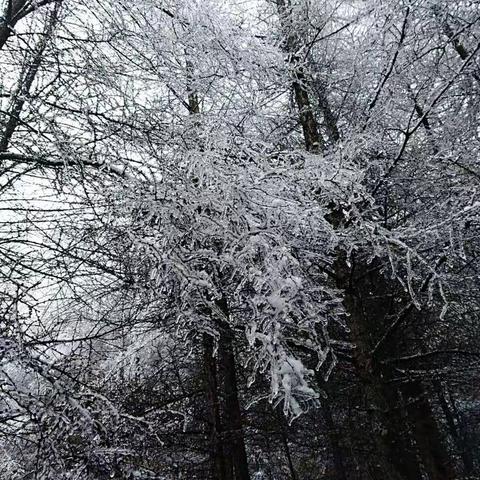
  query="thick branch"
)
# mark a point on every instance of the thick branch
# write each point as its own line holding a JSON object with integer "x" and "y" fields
{"x": 43, "y": 161}
{"x": 15, "y": 11}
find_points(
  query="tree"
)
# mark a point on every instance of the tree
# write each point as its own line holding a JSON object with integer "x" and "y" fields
{"x": 231, "y": 219}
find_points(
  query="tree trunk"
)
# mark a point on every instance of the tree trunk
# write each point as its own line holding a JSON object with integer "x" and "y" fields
{"x": 10, "y": 17}
{"x": 381, "y": 468}
{"x": 405, "y": 453}
{"x": 232, "y": 415}
{"x": 332, "y": 433}
{"x": 428, "y": 439}
{"x": 217, "y": 456}
{"x": 390, "y": 459}
{"x": 455, "y": 430}
{"x": 228, "y": 460}
{"x": 314, "y": 142}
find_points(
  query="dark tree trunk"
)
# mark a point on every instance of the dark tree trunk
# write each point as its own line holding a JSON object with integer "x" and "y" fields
{"x": 454, "y": 428}
{"x": 407, "y": 438}
{"x": 330, "y": 121}
{"x": 217, "y": 456}
{"x": 4, "y": 34}
{"x": 228, "y": 456}
{"x": 332, "y": 433}
{"x": 389, "y": 458}
{"x": 384, "y": 435}
{"x": 10, "y": 16}
{"x": 399, "y": 454}
{"x": 283, "y": 430}
{"x": 293, "y": 474}
{"x": 428, "y": 439}
{"x": 14, "y": 11}
{"x": 232, "y": 415}
{"x": 314, "y": 142}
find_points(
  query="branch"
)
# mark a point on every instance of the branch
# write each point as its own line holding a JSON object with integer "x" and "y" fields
{"x": 426, "y": 355}
{"x": 402, "y": 315}
{"x": 15, "y": 11}
{"x": 43, "y": 161}
{"x": 411, "y": 130}
{"x": 393, "y": 62}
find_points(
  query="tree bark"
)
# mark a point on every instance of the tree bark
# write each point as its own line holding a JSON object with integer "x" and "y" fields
{"x": 366, "y": 300}
{"x": 382, "y": 467}
{"x": 406, "y": 453}
{"x": 229, "y": 460}
{"x": 428, "y": 439}
{"x": 332, "y": 431}
{"x": 217, "y": 455}
{"x": 314, "y": 141}
{"x": 10, "y": 16}
{"x": 232, "y": 415}
{"x": 455, "y": 429}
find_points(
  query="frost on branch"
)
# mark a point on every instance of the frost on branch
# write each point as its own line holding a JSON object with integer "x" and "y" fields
{"x": 249, "y": 231}
{"x": 289, "y": 378}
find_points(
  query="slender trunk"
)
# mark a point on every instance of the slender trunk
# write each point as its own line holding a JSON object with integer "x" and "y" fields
{"x": 217, "y": 456}
{"x": 454, "y": 429}
{"x": 221, "y": 465}
{"x": 284, "y": 437}
{"x": 293, "y": 474}
{"x": 426, "y": 434}
{"x": 228, "y": 460}
{"x": 333, "y": 434}
{"x": 233, "y": 428}
{"x": 13, "y": 12}
{"x": 314, "y": 141}
{"x": 330, "y": 121}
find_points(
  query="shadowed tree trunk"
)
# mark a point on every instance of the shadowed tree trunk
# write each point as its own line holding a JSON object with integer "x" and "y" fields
{"x": 332, "y": 432}
{"x": 231, "y": 413}
{"x": 390, "y": 459}
{"x": 427, "y": 436}
{"x": 217, "y": 455}
{"x": 407, "y": 433}
{"x": 455, "y": 430}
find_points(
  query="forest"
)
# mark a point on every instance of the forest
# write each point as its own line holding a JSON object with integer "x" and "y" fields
{"x": 240, "y": 239}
